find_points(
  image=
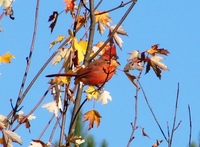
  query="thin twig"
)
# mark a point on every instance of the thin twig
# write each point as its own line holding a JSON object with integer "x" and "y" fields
{"x": 154, "y": 116}
{"x": 36, "y": 106}
{"x": 168, "y": 130}
{"x": 120, "y": 6}
{"x": 54, "y": 128}
{"x": 190, "y": 119}
{"x": 175, "y": 114}
{"x": 18, "y": 102}
{"x": 49, "y": 122}
{"x": 135, "y": 119}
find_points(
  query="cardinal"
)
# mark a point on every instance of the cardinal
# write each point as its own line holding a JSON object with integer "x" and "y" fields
{"x": 98, "y": 72}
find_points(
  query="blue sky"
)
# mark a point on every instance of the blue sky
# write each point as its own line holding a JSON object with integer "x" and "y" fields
{"x": 172, "y": 24}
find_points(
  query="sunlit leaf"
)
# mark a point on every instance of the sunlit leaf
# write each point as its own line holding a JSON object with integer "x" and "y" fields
{"x": 62, "y": 53}
{"x": 58, "y": 40}
{"x": 103, "y": 20}
{"x": 92, "y": 93}
{"x": 156, "y": 60}
{"x": 104, "y": 97}
{"x": 116, "y": 37}
{"x": 6, "y": 58}
{"x": 155, "y": 50}
{"x": 81, "y": 47}
{"x": 9, "y": 137}
{"x": 69, "y": 5}
{"x": 52, "y": 107}
{"x": 93, "y": 117}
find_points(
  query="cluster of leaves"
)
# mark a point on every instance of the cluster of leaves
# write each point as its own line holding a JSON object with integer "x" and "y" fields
{"x": 9, "y": 136}
{"x": 138, "y": 60}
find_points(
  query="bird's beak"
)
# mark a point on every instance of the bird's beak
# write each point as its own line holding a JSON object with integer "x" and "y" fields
{"x": 114, "y": 63}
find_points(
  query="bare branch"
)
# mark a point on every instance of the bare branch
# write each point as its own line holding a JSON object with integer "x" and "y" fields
{"x": 19, "y": 100}
{"x": 151, "y": 110}
{"x": 49, "y": 122}
{"x": 134, "y": 127}
{"x": 175, "y": 114}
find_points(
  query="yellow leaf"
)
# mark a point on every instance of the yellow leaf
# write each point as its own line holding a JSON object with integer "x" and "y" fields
{"x": 92, "y": 116}
{"x": 92, "y": 92}
{"x": 81, "y": 47}
{"x": 6, "y": 58}
{"x": 60, "y": 80}
{"x": 103, "y": 20}
{"x": 58, "y": 40}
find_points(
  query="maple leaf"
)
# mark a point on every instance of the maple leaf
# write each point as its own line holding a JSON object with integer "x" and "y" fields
{"x": 53, "y": 18}
{"x": 6, "y": 58}
{"x": 156, "y": 60}
{"x": 9, "y": 137}
{"x": 155, "y": 50}
{"x": 70, "y": 6}
{"x": 156, "y": 69}
{"x": 116, "y": 37}
{"x": 92, "y": 92}
{"x": 103, "y": 20}
{"x": 81, "y": 47}
{"x": 133, "y": 66}
{"x": 52, "y": 107}
{"x": 92, "y": 116}
{"x": 58, "y": 40}
{"x": 62, "y": 53}
{"x": 104, "y": 97}
{"x": 4, "y": 122}
{"x": 134, "y": 56}
{"x": 157, "y": 143}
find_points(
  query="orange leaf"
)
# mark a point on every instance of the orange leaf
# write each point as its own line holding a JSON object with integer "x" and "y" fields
{"x": 69, "y": 5}
{"x": 92, "y": 116}
{"x": 155, "y": 50}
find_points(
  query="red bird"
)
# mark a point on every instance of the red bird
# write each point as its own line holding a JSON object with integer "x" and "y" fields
{"x": 97, "y": 72}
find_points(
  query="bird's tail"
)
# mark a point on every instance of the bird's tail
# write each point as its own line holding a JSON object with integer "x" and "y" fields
{"x": 61, "y": 74}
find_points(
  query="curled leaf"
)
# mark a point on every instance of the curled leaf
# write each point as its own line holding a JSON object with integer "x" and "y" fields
{"x": 53, "y": 18}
